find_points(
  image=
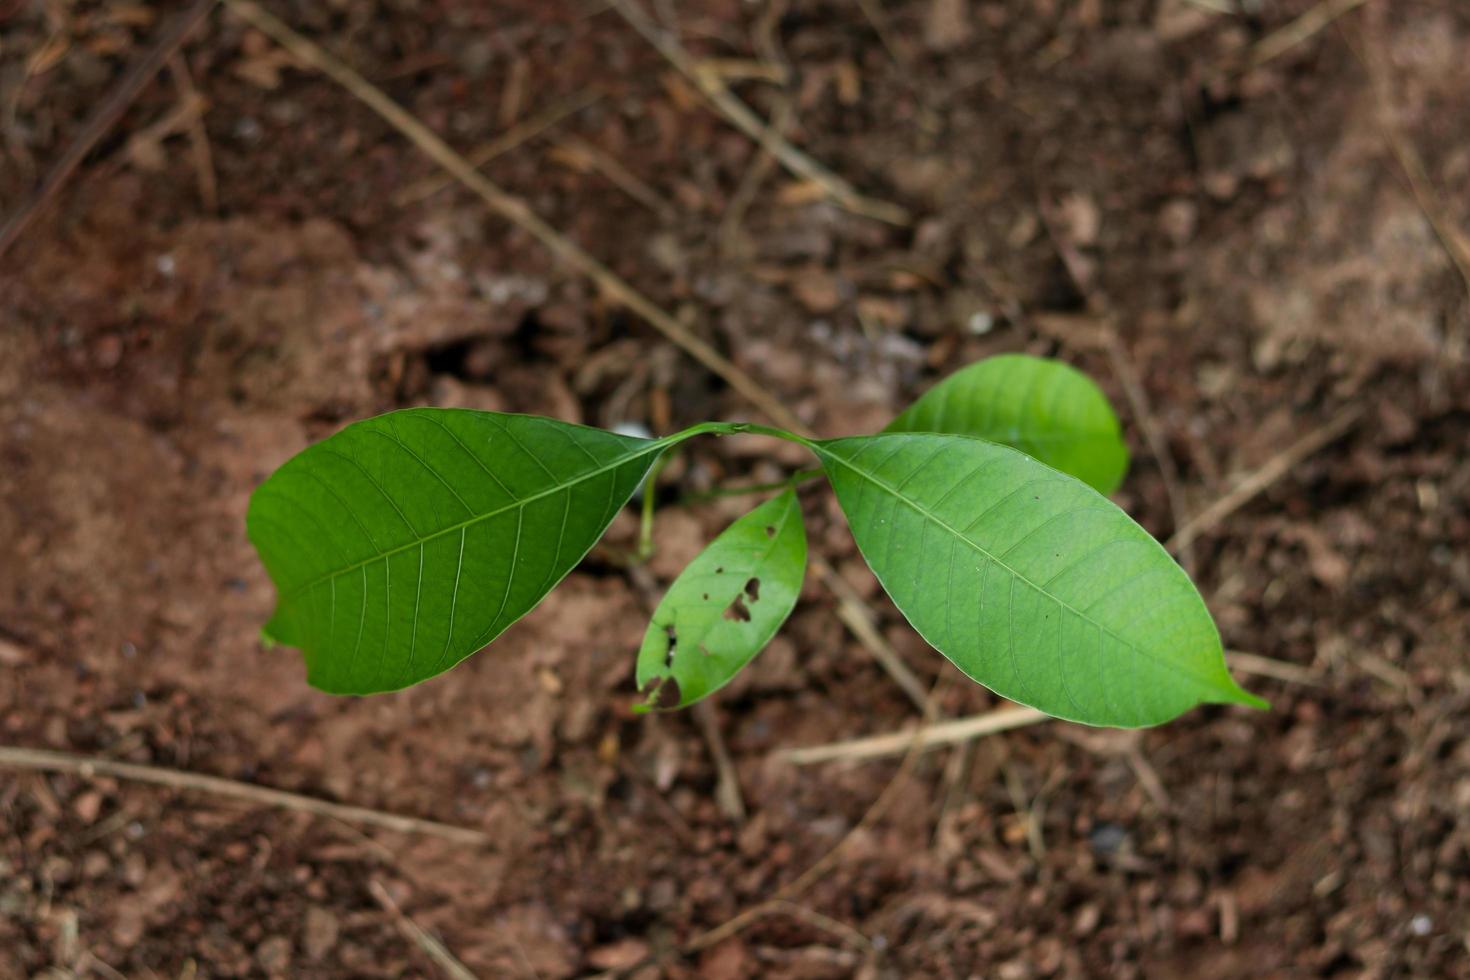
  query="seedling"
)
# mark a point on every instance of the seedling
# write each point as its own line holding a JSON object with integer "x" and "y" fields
{"x": 404, "y": 543}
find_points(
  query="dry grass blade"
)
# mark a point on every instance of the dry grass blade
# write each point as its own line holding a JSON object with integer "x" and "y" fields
{"x": 582, "y": 155}
{"x": 104, "y": 117}
{"x": 511, "y": 208}
{"x": 418, "y": 935}
{"x": 713, "y": 88}
{"x": 44, "y": 760}
{"x": 1281, "y": 670}
{"x": 1105, "y": 334}
{"x": 1259, "y": 480}
{"x": 1157, "y": 445}
{"x": 178, "y": 67}
{"x": 925, "y": 738}
{"x": 727, "y": 787}
{"x": 518, "y": 134}
{"x": 1455, "y": 243}
{"x": 1312, "y": 22}
{"x": 858, "y": 618}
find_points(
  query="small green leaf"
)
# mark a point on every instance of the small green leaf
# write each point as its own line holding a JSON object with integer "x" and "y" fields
{"x": 1044, "y": 408}
{"x": 1028, "y": 580}
{"x": 725, "y": 605}
{"x": 404, "y": 543}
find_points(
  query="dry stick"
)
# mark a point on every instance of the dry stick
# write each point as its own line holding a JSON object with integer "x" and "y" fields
{"x": 1280, "y": 41}
{"x": 963, "y": 730}
{"x": 417, "y": 934}
{"x": 45, "y": 760}
{"x": 817, "y": 871}
{"x": 1274, "y": 469}
{"x": 178, "y": 68}
{"x": 856, "y": 615}
{"x": 928, "y": 737}
{"x": 826, "y": 923}
{"x": 1281, "y": 670}
{"x": 103, "y": 118}
{"x": 512, "y": 208}
{"x": 750, "y": 183}
{"x": 1122, "y": 364}
{"x": 727, "y": 786}
{"x": 581, "y": 151}
{"x": 743, "y": 118}
{"x": 1429, "y": 201}
{"x": 877, "y": 18}
{"x": 510, "y": 139}
{"x": 1157, "y": 445}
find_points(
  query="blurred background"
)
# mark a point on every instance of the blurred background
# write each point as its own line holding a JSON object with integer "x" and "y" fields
{"x": 1247, "y": 220}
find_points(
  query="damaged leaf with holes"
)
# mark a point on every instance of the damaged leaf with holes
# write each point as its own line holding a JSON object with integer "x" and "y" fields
{"x": 725, "y": 606}
{"x": 404, "y": 543}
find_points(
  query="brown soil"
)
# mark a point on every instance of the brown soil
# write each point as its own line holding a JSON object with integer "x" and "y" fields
{"x": 1252, "y": 228}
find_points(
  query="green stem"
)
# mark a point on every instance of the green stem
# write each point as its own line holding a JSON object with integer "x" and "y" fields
{"x": 645, "y": 530}
{"x": 650, "y": 491}
{"x": 733, "y": 429}
{"x": 800, "y": 476}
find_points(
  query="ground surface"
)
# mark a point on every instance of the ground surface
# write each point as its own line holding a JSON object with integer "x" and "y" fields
{"x": 1252, "y": 228}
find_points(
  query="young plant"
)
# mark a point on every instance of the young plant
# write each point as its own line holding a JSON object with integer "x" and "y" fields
{"x": 404, "y": 543}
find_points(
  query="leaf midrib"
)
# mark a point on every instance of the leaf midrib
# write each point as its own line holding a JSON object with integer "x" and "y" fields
{"x": 1002, "y": 436}
{"x": 936, "y": 519}
{"x": 654, "y": 446}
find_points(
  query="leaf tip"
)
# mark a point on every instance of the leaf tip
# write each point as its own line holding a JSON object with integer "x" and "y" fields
{"x": 1239, "y": 695}
{"x": 1250, "y": 700}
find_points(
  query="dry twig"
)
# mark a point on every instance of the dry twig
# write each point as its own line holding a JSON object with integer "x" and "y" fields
{"x": 178, "y": 69}
{"x": 1282, "y": 40}
{"x": 727, "y": 788}
{"x": 510, "y": 139}
{"x": 1106, "y": 334}
{"x": 510, "y": 207}
{"x": 419, "y": 936}
{"x": 1281, "y": 670}
{"x": 924, "y": 738}
{"x": 1274, "y": 469}
{"x": 858, "y": 618}
{"x": 104, "y": 117}
{"x": 1454, "y": 242}
{"x": 581, "y": 154}
{"x": 713, "y": 88}
{"x": 44, "y": 760}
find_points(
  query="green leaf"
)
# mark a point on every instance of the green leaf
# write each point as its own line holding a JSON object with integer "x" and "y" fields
{"x": 1044, "y": 408}
{"x": 725, "y": 605}
{"x": 404, "y": 543}
{"x": 1028, "y": 580}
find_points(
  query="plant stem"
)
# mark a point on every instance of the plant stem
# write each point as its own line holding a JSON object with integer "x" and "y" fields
{"x": 733, "y": 429}
{"x": 650, "y": 491}
{"x": 800, "y": 476}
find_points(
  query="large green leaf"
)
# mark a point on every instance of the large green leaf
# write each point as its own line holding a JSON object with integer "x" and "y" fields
{"x": 1028, "y": 580}
{"x": 1044, "y": 408}
{"x": 404, "y": 543}
{"x": 725, "y": 605}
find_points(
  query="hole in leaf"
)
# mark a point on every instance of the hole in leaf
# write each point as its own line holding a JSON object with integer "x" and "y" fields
{"x": 673, "y": 636}
{"x": 736, "y": 610}
{"x": 706, "y": 597}
{"x": 720, "y": 570}
{"x": 666, "y": 695}
{"x": 770, "y": 530}
{"x": 753, "y": 589}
